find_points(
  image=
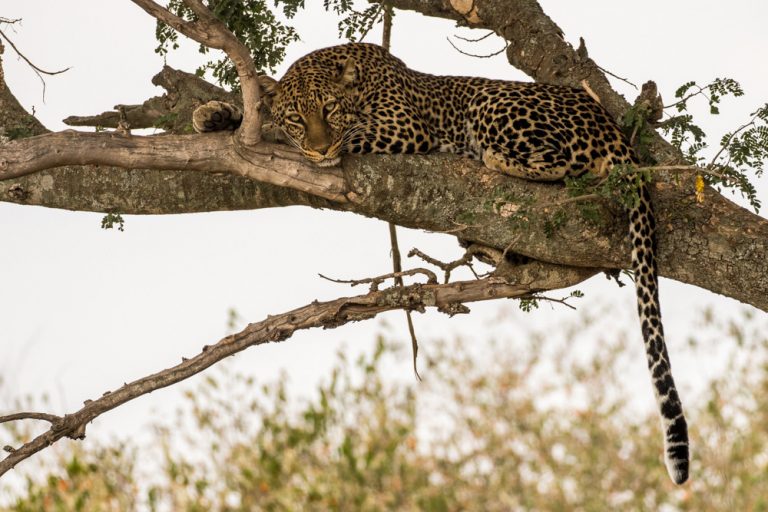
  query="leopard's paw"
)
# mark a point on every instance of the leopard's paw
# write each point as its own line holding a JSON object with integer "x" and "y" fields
{"x": 216, "y": 116}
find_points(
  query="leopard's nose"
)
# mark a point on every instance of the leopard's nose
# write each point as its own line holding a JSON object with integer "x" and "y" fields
{"x": 321, "y": 147}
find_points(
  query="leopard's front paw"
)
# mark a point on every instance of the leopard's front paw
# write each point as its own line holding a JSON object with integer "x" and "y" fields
{"x": 216, "y": 116}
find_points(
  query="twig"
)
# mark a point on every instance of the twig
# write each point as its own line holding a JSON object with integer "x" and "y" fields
{"x": 279, "y": 328}
{"x": 615, "y": 76}
{"x": 730, "y": 138}
{"x": 481, "y": 38}
{"x": 370, "y": 25}
{"x": 691, "y": 95}
{"x": 50, "y": 418}
{"x": 376, "y": 281}
{"x": 386, "y": 31}
{"x": 488, "y": 56}
{"x": 38, "y": 71}
{"x": 397, "y": 267}
{"x": 465, "y": 260}
{"x": 537, "y": 297}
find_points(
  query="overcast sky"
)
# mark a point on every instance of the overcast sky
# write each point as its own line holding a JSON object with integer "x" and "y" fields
{"x": 83, "y": 310}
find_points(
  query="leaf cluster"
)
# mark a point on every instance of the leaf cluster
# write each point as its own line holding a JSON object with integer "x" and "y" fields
{"x": 260, "y": 28}
{"x": 354, "y": 24}
{"x": 252, "y": 21}
{"x": 743, "y": 150}
{"x": 684, "y": 134}
{"x": 112, "y": 219}
{"x": 742, "y": 153}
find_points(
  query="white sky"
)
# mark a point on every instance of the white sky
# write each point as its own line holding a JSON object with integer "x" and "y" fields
{"x": 83, "y": 310}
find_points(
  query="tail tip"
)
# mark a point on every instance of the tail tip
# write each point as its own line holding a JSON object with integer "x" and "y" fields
{"x": 678, "y": 470}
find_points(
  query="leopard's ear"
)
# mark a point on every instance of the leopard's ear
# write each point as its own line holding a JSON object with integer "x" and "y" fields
{"x": 348, "y": 74}
{"x": 268, "y": 87}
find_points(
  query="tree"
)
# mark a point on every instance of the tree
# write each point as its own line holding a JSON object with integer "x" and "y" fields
{"x": 267, "y": 175}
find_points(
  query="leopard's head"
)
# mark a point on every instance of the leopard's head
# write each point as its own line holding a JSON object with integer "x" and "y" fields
{"x": 314, "y": 107}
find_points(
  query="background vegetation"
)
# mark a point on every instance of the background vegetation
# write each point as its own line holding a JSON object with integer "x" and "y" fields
{"x": 541, "y": 422}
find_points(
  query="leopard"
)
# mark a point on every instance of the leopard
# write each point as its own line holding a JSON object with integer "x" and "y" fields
{"x": 358, "y": 98}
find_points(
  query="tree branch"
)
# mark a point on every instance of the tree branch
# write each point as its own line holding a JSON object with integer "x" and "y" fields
{"x": 327, "y": 315}
{"x": 715, "y": 244}
{"x": 171, "y": 112}
{"x": 211, "y": 32}
{"x": 268, "y": 163}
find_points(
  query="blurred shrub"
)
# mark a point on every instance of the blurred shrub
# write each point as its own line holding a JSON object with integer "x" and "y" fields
{"x": 547, "y": 422}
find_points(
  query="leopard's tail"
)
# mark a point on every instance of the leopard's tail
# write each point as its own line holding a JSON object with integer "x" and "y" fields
{"x": 642, "y": 234}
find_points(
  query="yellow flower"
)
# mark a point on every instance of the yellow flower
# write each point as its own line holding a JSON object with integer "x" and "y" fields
{"x": 699, "y": 188}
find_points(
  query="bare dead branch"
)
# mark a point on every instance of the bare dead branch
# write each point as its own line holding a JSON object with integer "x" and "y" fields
{"x": 448, "y": 267}
{"x": 486, "y": 56}
{"x": 171, "y": 112}
{"x": 38, "y": 71}
{"x": 376, "y": 281}
{"x": 50, "y": 418}
{"x": 211, "y": 32}
{"x": 475, "y": 40}
{"x": 335, "y": 313}
{"x": 31, "y": 64}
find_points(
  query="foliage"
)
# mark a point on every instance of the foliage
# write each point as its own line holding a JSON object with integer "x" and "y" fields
{"x": 744, "y": 149}
{"x": 97, "y": 479}
{"x": 537, "y": 423}
{"x": 19, "y": 132}
{"x": 252, "y": 21}
{"x": 110, "y": 220}
{"x": 258, "y": 26}
{"x": 742, "y": 153}
{"x": 354, "y": 25}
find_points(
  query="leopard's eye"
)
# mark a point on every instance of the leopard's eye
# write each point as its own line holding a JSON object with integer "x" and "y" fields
{"x": 330, "y": 107}
{"x": 294, "y": 118}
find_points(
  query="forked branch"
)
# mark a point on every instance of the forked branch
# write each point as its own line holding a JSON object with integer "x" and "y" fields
{"x": 211, "y": 32}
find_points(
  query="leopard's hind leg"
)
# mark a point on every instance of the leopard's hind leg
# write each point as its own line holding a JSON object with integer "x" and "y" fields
{"x": 543, "y": 164}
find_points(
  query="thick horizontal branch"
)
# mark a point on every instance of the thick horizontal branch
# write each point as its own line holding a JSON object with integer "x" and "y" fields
{"x": 267, "y": 163}
{"x": 327, "y": 315}
{"x": 714, "y": 244}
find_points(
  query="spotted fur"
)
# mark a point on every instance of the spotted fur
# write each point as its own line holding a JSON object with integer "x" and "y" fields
{"x": 357, "y": 98}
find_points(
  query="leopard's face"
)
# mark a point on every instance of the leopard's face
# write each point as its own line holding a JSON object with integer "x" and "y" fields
{"x": 314, "y": 109}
